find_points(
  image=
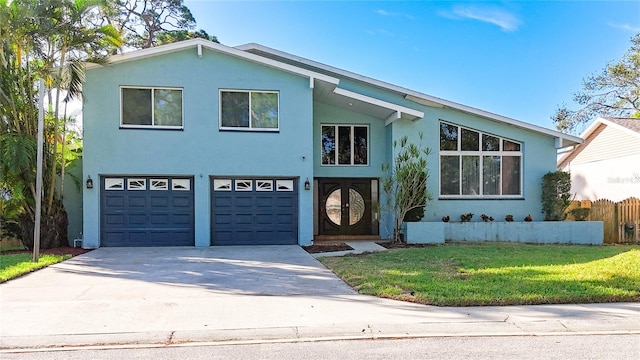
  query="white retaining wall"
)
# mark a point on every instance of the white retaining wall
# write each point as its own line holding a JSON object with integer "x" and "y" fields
{"x": 540, "y": 232}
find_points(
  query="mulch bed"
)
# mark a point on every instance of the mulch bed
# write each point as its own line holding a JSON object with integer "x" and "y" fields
{"x": 55, "y": 251}
{"x": 316, "y": 249}
{"x": 391, "y": 245}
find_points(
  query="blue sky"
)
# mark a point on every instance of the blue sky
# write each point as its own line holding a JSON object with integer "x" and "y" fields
{"x": 519, "y": 59}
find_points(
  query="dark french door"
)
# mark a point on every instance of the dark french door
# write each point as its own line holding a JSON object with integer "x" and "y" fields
{"x": 345, "y": 207}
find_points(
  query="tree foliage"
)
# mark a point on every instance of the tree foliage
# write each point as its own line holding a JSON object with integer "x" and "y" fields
{"x": 405, "y": 183}
{"x": 53, "y": 40}
{"x": 147, "y": 23}
{"x": 556, "y": 196}
{"x": 48, "y": 40}
{"x": 614, "y": 92}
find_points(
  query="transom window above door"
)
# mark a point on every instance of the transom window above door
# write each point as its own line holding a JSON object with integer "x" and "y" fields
{"x": 151, "y": 107}
{"x": 345, "y": 145}
{"x": 249, "y": 110}
{"x": 476, "y": 164}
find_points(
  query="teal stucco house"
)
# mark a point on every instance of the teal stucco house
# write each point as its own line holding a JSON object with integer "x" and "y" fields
{"x": 199, "y": 144}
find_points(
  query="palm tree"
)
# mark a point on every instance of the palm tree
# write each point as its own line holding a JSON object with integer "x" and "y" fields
{"x": 49, "y": 40}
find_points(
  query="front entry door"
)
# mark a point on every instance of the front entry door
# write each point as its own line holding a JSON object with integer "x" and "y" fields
{"x": 345, "y": 207}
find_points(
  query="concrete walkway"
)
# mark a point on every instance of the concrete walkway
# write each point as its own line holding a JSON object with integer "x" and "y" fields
{"x": 359, "y": 247}
{"x": 165, "y": 296}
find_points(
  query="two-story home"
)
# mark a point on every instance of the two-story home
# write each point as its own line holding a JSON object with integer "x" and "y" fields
{"x": 198, "y": 144}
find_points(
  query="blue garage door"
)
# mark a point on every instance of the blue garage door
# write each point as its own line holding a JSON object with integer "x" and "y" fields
{"x": 146, "y": 211}
{"x": 254, "y": 211}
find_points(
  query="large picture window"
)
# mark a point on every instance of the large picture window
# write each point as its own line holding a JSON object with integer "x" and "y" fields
{"x": 345, "y": 145}
{"x": 248, "y": 110}
{"x": 475, "y": 164}
{"x": 151, "y": 107}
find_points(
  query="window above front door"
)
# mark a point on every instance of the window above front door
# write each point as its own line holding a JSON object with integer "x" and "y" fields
{"x": 345, "y": 145}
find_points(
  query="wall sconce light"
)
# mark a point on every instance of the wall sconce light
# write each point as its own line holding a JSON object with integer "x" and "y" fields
{"x": 307, "y": 184}
{"x": 89, "y": 183}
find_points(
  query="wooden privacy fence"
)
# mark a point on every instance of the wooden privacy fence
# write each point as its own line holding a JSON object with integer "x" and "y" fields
{"x": 621, "y": 220}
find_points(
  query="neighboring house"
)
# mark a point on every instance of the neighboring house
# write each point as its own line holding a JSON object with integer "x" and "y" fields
{"x": 607, "y": 164}
{"x": 196, "y": 143}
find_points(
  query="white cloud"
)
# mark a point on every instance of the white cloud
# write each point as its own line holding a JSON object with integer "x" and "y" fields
{"x": 382, "y": 12}
{"x": 626, "y": 27}
{"x": 492, "y": 15}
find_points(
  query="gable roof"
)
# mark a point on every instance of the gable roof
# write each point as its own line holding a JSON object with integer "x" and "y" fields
{"x": 562, "y": 140}
{"x": 325, "y": 80}
{"x": 627, "y": 125}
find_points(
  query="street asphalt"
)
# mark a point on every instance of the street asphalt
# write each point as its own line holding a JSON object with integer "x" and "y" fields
{"x": 247, "y": 294}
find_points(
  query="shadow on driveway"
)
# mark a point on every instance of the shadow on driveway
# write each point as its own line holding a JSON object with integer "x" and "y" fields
{"x": 247, "y": 270}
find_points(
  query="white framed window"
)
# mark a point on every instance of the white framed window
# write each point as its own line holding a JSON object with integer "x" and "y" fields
{"x": 345, "y": 145}
{"x": 264, "y": 185}
{"x": 181, "y": 184}
{"x": 136, "y": 184}
{"x": 114, "y": 184}
{"x": 249, "y": 110}
{"x": 221, "y": 184}
{"x": 151, "y": 107}
{"x": 159, "y": 184}
{"x": 284, "y": 185}
{"x": 474, "y": 164}
{"x": 244, "y": 185}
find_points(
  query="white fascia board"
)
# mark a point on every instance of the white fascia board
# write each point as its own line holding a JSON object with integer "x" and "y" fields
{"x": 399, "y": 109}
{"x": 393, "y": 117}
{"x": 415, "y": 96}
{"x": 202, "y": 43}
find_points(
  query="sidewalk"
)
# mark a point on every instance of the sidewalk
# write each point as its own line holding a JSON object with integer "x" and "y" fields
{"x": 162, "y": 297}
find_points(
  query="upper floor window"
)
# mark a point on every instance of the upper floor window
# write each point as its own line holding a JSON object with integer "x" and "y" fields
{"x": 345, "y": 145}
{"x": 249, "y": 110}
{"x": 475, "y": 164}
{"x": 151, "y": 107}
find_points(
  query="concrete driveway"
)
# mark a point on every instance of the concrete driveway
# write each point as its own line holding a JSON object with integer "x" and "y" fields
{"x": 173, "y": 295}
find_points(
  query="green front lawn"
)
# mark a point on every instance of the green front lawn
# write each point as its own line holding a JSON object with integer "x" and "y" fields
{"x": 14, "y": 265}
{"x": 495, "y": 274}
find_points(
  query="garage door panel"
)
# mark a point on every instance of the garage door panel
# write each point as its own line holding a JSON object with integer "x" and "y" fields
{"x": 115, "y": 219}
{"x": 182, "y": 201}
{"x": 223, "y": 219}
{"x": 243, "y": 219}
{"x": 137, "y": 201}
{"x": 264, "y": 202}
{"x": 146, "y": 214}
{"x": 136, "y": 219}
{"x": 285, "y": 202}
{"x": 159, "y": 219}
{"x": 244, "y": 201}
{"x": 265, "y": 219}
{"x": 256, "y": 215}
{"x": 285, "y": 219}
{"x": 159, "y": 201}
{"x": 115, "y": 201}
{"x": 115, "y": 237}
{"x": 181, "y": 219}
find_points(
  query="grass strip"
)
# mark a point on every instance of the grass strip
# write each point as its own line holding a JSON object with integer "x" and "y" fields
{"x": 15, "y": 265}
{"x": 495, "y": 274}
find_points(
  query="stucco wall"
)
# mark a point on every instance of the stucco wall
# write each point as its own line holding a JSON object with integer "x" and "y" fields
{"x": 538, "y": 158}
{"x": 200, "y": 149}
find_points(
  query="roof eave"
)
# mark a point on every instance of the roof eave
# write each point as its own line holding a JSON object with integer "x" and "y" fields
{"x": 420, "y": 98}
{"x": 210, "y": 45}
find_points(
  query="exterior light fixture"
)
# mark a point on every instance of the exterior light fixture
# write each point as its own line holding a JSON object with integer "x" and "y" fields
{"x": 307, "y": 184}
{"x": 89, "y": 182}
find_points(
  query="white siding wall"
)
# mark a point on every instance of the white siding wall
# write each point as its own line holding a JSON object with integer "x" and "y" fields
{"x": 614, "y": 179}
{"x": 610, "y": 143}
